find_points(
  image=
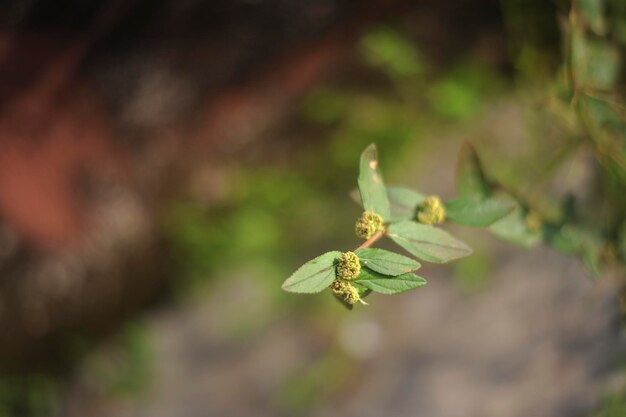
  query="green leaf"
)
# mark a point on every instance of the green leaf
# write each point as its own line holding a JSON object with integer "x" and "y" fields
{"x": 364, "y": 292}
{"x": 403, "y": 202}
{"x": 386, "y": 262}
{"x": 586, "y": 243}
{"x": 314, "y": 276}
{"x": 596, "y": 64}
{"x": 561, "y": 241}
{"x": 427, "y": 242}
{"x": 477, "y": 213}
{"x": 513, "y": 228}
{"x": 470, "y": 178}
{"x": 371, "y": 186}
{"x": 392, "y": 52}
{"x": 593, "y": 12}
{"x": 389, "y": 285}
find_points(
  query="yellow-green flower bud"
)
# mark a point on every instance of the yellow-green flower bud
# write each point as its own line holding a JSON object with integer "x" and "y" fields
{"x": 339, "y": 287}
{"x": 346, "y": 291}
{"x": 533, "y": 221}
{"x": 431, "y": 211}
{"x": 349, "y": 266}
{"x": 368, "y": 224}
{"x": 351, "y": 295}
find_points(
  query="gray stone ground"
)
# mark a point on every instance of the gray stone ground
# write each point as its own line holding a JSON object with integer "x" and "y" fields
{"x": 540, "y": 340}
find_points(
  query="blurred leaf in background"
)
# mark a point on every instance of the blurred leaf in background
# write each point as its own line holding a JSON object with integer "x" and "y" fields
{"x": 392, "y": 52}
{"x": 29, "y": 395}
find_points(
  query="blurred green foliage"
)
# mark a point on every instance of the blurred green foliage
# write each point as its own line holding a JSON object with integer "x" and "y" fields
{"x": 612, "y": 406}
{"x": 460, "y": 93}
{"x": 124, "y": 368}
{"x": 391, "y": 52}
{"x": 29, "y": 395}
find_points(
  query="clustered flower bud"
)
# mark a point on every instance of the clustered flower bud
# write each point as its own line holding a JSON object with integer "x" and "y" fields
{"x": 533, "y": 221}
{"x": 346, "y": 291}
{"x": 431, "y": 211}
{"x": 351, "y": 295}
{"x": 338, "y": 287}
{"x": 349, "y": 266}
{"x": 368, "y": 224}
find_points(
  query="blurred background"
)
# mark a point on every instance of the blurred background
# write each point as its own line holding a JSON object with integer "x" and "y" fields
{"x": 165, "y": 165}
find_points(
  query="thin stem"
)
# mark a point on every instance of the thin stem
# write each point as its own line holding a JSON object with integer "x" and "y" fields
{"x": 369, "y": 242}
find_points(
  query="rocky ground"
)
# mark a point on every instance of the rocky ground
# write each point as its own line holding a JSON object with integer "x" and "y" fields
{"x": 539, "y": 340}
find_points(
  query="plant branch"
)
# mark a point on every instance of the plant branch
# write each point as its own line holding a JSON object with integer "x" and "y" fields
{"x": 369, "y": 242}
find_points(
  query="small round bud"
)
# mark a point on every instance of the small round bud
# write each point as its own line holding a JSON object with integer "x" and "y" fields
{"x": 351, "y": 295}
{"x": 348, "y": 292}
{"x": 368, "y": 224}
{"x": 533, "y": 221}
{"x": 431, "y": 211}
{"x": 349, "y": 266}
{"x": 339, "y": 287}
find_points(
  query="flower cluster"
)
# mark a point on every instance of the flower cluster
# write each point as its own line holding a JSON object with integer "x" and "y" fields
{"x": 533, "y": 221}
{"x": 348, "y": 269}
{"x": 348, "y": 292}
{"x": 368, "y": 224}
{"x": 431, "y": 211}
{"x": 349, "y": 266}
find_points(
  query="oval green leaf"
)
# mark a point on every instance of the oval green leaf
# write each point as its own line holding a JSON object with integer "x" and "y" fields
{"x": 314, "y": 276}
{"x": 470, "y": 178}
{"x": 477, "y": 213}
{"x": 386, "y": 262}
{"x": 403, "y": 202}
{"x": 513, "y": 229}
{"x": 427, "y": 242}
{"x": 371, "y": 186}
{"x": 389, "y": 285}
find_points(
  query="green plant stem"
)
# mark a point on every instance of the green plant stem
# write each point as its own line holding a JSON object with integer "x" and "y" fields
{"x": 369, "y": 242}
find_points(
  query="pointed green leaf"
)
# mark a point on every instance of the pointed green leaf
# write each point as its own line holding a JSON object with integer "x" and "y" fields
{"x": 560, "y": 240}
{"x": 477, "y": 213}
{"x": 403, "y": 202}
{"x": 314, "y": 276}
{"x": 371, "y": 186}
{"x": 389, "y": 285}
{"x": 386, "y": 262}
{"x": 513, "y": 228}
{"x": 427, "y": 242}
{"x": 470, "y": 178}
{"x": 595, "y": 63}
{"x": 593, "y": 12}
{"x": 586, "y": 243}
